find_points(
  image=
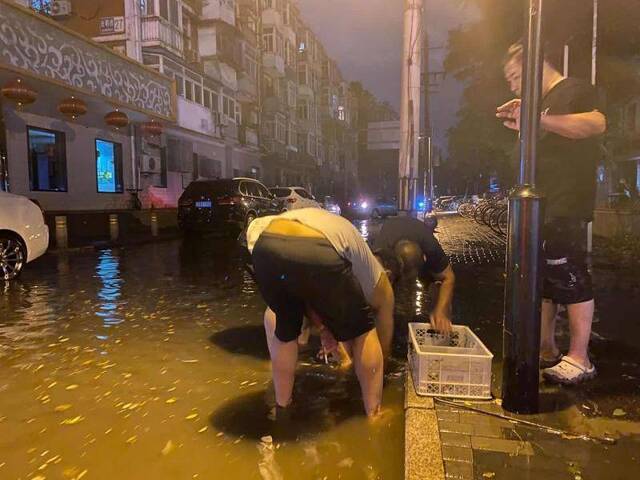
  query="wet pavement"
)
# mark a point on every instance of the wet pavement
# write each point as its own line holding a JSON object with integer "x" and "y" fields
{"x": 150, "y": 361}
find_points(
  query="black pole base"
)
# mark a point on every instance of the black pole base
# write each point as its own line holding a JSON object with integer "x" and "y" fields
{"x": 521, "y": 333}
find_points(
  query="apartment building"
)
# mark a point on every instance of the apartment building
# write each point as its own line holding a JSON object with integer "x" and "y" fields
{"x": 247, "y": 89}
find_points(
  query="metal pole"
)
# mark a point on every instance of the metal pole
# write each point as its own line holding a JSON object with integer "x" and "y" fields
{"x": 521, "y": 332}
{"x": 430, "y": 153}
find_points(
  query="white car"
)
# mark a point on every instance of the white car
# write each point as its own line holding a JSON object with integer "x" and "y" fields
{"x": 24, "y": 235}
{"x": 295, "y": 197}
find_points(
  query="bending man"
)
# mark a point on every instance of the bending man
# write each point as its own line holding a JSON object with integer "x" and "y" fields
{"x": 309, "y": 262}
{"x": 409, "y": 250}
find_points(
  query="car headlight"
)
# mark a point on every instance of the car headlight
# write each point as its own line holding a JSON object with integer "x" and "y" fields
{"x": 364, "y": 205}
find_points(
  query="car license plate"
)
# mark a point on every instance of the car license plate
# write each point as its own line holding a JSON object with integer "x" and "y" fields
{"x": 203, "y": 204}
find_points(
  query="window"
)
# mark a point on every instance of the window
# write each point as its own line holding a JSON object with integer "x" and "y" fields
{"x": 268, "y": 39}
{"x": 292, "y": 94}
{"x": 197, "y": 97}
{"x": 281, "y": 131}
{"x": 215, "y": 102}
{"x": 47, "y": 160}
{"x": 238, "y": 114}
{"x": 341, "y": 114}
{"x": 179, "y": 85}
{"x": 109, "y": 167}
{"x": 207, "y": 99}
{"x": 188, "y": 90}
{"x": 164, "y": 9}
{"x": 291, "y": 135}
{"x": 302, "y": 74}
{"x": 42, "y": 6}
{"x": 173, "y": 11}
{"x": 262, "y": 189}
{"x": 303, "y": 110}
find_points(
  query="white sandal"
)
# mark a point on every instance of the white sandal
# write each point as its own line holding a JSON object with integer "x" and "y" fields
{"x": 569, "y": 372}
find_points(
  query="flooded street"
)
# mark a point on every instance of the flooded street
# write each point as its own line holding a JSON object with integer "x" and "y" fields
{"x": 150, "y": 362}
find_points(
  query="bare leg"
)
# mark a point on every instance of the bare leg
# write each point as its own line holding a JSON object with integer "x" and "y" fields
{"x": 369, "y": 365}
{"x": 580, "y": 318}
{"x": 548, "y": 347}
{"x": 284, "y": 356}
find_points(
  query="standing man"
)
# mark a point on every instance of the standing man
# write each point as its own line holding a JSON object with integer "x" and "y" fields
{"x": 409, "y": 250}
{"x": 569, "y": 146}
{"x": 311, "y": 263}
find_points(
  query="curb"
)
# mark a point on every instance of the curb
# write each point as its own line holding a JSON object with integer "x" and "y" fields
{"x": 422, "y": 446}
{"x": 117, "y": 244}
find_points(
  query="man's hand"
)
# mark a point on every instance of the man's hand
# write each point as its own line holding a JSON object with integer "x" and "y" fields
{"x": 440, "y": 321}
{"x": 510, "y": 112}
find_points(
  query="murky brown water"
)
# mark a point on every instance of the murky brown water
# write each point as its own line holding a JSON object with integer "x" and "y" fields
{"x": 150, "y": 362}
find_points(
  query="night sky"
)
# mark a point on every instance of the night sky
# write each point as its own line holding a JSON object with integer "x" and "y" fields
{"x": 365, "y": 37}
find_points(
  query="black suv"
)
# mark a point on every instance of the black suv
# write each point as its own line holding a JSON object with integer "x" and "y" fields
{"x": 213, "y": 205}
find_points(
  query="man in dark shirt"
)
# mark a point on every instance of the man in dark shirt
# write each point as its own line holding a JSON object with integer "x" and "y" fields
{"x": 408, "y": 250}
{"x": 571, "y": 125}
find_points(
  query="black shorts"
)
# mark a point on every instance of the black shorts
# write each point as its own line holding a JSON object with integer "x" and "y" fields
{"x": 566, "y": 275}
{"x": 295, "y": 272}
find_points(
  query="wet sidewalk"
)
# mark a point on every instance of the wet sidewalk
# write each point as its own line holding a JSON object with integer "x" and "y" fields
{"x": 478, "y": 445}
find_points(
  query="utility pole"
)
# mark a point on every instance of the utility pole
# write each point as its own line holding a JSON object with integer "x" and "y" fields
{"x": 521, "y": 332}
{"x": 410, "y": 104}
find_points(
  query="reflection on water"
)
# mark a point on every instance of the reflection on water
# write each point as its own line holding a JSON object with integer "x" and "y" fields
{"x": 184, "y": 391}
{"x": 108, "y": 272}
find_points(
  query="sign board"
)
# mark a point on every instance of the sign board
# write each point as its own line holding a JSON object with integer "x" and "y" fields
{"x": 110, "y": 25}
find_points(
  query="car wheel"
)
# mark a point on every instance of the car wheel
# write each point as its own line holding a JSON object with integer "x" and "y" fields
{"x": 250, "y": 218}
{"x": 13, "y": 256}
{"x": 376, "y": 213}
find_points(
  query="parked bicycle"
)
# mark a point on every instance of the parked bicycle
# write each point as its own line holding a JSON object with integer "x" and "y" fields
{"x": 492, "y": 212}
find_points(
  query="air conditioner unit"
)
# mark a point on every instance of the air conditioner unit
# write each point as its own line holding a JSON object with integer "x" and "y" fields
{"x": 150, "y": 164}
{"x": 60, "y": 8}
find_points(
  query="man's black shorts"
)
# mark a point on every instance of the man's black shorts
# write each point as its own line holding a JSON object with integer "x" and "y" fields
{"x": 295, "y": 272}
{"x": 566, "y": 275}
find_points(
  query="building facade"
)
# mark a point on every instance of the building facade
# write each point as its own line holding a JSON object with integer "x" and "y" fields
{"x": 246, "y": 89}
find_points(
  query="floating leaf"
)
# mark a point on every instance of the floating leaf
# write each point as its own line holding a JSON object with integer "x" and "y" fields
{"x": 171, "y": 400}
{"x": 71, "y": 387}
{"x": 203, "y": 429}
{"x": 72, "y": 421}
{"x": 132, "y": 439}
{"x": 63, "y": 408}
{"x": 618, "y": 412}
{"x": 168, "y": 448}
{"x": 191, "y": 416}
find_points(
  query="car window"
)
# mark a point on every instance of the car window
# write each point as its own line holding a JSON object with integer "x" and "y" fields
{"x": 244, "y": 188}
{"x": 303, "y": 193}
{"x": 281, "y": 192}
{"x": 263, "y": 191}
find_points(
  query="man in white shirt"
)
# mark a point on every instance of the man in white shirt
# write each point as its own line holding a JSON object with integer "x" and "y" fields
{"x": 309, "y": 262}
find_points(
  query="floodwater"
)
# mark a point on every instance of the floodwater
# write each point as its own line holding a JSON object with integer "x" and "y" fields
{"x": 150, "y": 362}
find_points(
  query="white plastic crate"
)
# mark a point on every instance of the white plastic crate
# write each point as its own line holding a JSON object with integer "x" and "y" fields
{"x": 456, "y": 365}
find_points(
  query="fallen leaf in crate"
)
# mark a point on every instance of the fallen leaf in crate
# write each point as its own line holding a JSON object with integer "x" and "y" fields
{"x": 488, "y": 475}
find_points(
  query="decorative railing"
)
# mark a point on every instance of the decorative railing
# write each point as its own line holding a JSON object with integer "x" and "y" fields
{"x": 36, "y": 46}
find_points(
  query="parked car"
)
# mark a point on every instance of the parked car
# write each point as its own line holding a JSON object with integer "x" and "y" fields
{"x": 371, "y": 207}
{"x": 295, "y": 197}
{"x": 215, "y": 205}
{"x": 331, "y": 205}
{"x": 24, "y": 235}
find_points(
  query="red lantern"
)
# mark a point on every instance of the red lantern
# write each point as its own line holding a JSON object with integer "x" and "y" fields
{"x": 152, "y": 128}
{"x": 19, "y": 92}
{"x": 116, "y": 119}
{"x": 72, "y": 107}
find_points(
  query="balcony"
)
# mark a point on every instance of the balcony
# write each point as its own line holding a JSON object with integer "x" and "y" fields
{"x": 157, "y": 32}
{"x": 305, "y": 91}
{"x": 247, "y": 136}
{"x": 272, "y": 18}
{"x": 273, "y": 64}
{"x": 56, "y": 58}
{"x": 247, "y": 89}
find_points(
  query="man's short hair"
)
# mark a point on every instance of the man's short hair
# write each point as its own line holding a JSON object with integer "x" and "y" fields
{"x": 410, "y": 255}
{"x": 514, "y": 53}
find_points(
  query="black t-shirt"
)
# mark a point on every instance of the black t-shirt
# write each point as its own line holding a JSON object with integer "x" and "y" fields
{"x": 406, "y": 228}
{"x": 566, "y": 170}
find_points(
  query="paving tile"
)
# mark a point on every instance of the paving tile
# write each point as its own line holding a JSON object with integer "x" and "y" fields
{"x": 481, "y": 419}
{"x": 448, "y": 416}
{"x": 455, "y": 439}
{"x": 458, "y": 471}
{"x": 511, "y": 447}
{"x": 453, "y": 427}
{"x": 491, "y": 431}
{"x": 457, "y": 454}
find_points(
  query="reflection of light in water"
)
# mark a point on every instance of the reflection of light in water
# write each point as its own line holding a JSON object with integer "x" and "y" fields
{"x": 108, "y": 271}
{"x": 419, "y": 297}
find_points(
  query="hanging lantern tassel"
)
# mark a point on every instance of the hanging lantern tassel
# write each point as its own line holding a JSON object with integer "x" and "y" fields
{"x": 19, "y": 92}
{"x": 72, "y": 107}
{"x": 116, "y": 119}
{"x": 152, "y": 128}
